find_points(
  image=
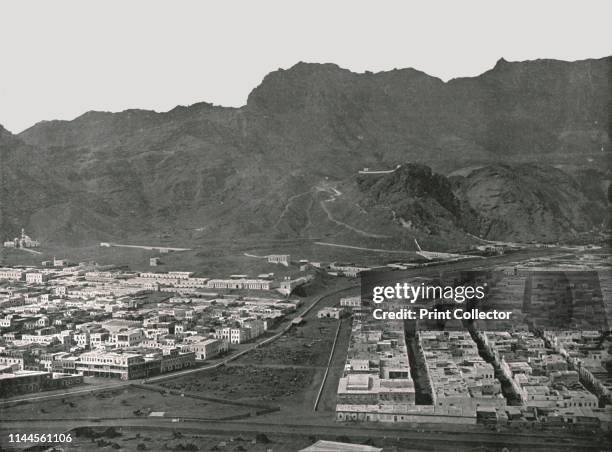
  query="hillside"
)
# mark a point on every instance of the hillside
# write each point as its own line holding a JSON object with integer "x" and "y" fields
{"x": 209, "y": 172}
{"x": 532, "y": 202}
{"x": 420, "y": 201}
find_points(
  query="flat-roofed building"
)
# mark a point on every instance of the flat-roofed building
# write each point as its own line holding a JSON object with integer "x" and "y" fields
{"x": 282, "y": 259}
{"x": 233, "y": 335}
{"x": 335, "y": 446}
{"x": 174, "y": 359}
{"x": 127, "y": 338}
{"x": 350, "y": 302}
{"x": 368, "y": 389}
{"x": 15, "y": 362}
{"x": 125, "y": 366}
{"x": 329, "y": 313}
{"x": 36, "y": 277}
{"x": 29, "y": 381}
{"x": 240, "y": 283}
{"x": 22, "y": 382}
{"x": 350, "y": 270}
{"x": 11, "y": 274}
{"x": 206, "y": 349}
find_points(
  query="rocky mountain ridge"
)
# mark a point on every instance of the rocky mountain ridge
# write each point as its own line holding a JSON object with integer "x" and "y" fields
{"x": 209, "y": 171}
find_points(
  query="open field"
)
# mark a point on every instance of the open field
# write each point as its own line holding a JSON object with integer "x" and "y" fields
{"x": 284, "y": 373}
{"x": 219, "y": 259}
{"x": 287, "y": 372}
{"x": 306, "y": 345}
{"x": 124, "y": 402}
{"x": 207, "y": 262}
{"x": 210, "y": 259}
{"x": 285, "y": 386}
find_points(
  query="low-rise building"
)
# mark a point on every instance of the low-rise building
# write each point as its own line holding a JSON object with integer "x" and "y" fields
{"x": 350, "y": 302}
{"x": 233, "y": 335}
{"x": 11, "y": 274}
{"x": 29, "y": 381}
{"x": 350, "y": 270}
{"x": 36, "y": 277}
{"x": 125, "y": 366}
{"x": 282, "y": 259}
{"x": 127, "y": 338}
{"x": 329, "y": 313}
{"x": 240, "y": 283}
{"x": 206, "y": 349}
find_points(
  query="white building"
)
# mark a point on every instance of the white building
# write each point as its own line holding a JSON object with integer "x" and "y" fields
{"x": 127, "y": 338}
{"x": 349, "y": 270}
{"x": 282, "y": 259}
{"x": 240, "y": 283}
{"x": 288, "y": 285}
{"x": 23, "y": 241}
{"x": 350, "y": 302}
{"x": 36, "y": 277}
{"x": 329, "y": 313}
{"x": 233, "y": 335}
{"x": 120, "y": 365}
{"x": 12, "y": 274}
{"x": 206, "y": 349}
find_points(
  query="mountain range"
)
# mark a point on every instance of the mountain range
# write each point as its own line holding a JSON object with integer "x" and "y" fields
{"x": 520, "y": 152}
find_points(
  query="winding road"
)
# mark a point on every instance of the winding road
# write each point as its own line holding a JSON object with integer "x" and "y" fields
{"x": 335, "y": 193}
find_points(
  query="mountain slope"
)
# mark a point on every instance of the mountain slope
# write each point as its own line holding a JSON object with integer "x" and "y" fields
{"x": 532, "y": 202}
{"x": 212, "y": 172}
{"x": 420, "y": 200}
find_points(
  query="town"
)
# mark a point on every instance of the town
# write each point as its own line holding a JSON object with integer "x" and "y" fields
{"x": 61, "y": 321}
{"x": 542, "y": 370}
{"x": 545, "y": 366}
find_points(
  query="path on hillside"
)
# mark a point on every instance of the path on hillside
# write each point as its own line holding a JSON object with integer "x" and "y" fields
{"x": 143, "y": 247}
{"x": 28, "y": 250}
{"x": 255, "y": 256}
{"x": 367, "y": 171}
{"x": 308, "y": 215}
{"x": 335, "y": 194}
{"x": 288, "y": 206}
{"x": 376, "y": 250}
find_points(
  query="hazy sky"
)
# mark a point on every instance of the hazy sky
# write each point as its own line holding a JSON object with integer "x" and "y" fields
{"x": 61, "y": 58}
